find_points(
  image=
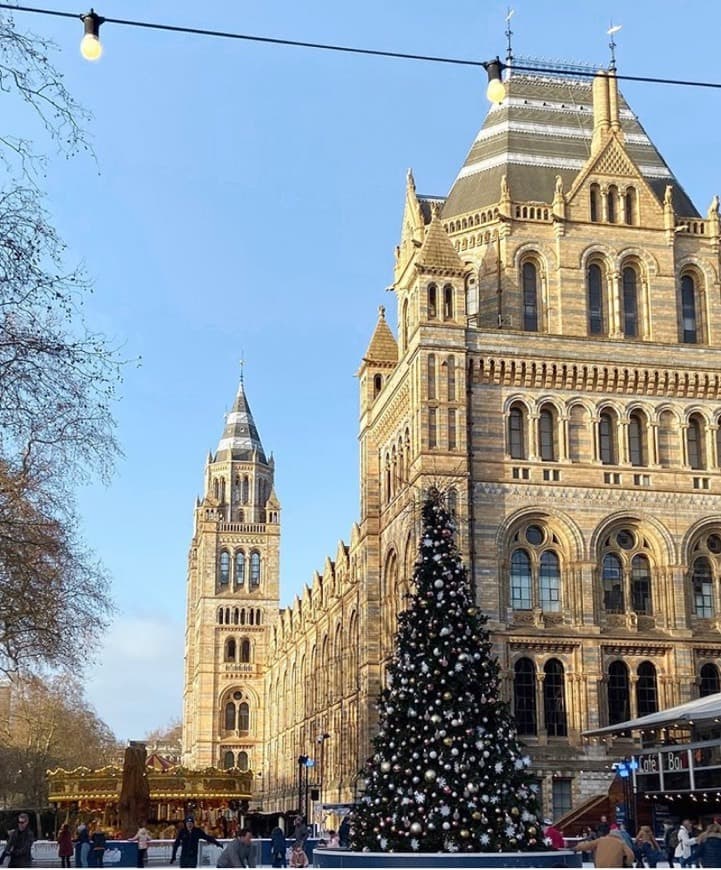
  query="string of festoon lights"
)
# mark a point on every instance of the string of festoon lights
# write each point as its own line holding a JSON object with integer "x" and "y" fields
{"x": 91, "y": 49}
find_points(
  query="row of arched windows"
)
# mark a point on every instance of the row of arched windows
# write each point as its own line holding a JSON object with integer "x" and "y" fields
{"x": 440, "y": 302}
{"x": 638, "y": 438}
{"x": 396, "y": 467}
{"x": 237, "y": 650}
{"x": 526, "y": 700}
{"x": 239, "y": 568}
{"x": 627, "y": 572}
{"x": 239, "y": 616}
{"x": 602, "y": 318}
{"x": 609, "y": 205}
{"x": 229, "y": 760}
{"x": 449, "y": 365}
{"x": 236, "y": 713}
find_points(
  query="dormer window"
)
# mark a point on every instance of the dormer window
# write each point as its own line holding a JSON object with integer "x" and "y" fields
{"x": 432, "y": 302}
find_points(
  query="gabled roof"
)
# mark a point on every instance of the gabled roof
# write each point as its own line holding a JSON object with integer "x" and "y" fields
{"x": 383, "y": 347}
{"x": 240, "y": 439}
{"x": 437, "y": 253}
{"x": 543, "y": 129}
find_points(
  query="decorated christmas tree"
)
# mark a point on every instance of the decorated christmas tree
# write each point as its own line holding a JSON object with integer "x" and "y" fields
{"x": 448, "y": 772}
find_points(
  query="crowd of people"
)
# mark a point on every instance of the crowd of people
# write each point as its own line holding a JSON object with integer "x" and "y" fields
{"x": 611, "y": 845}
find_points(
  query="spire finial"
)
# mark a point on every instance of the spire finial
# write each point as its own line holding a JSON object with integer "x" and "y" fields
{"x": 381, "y": 312}
{"x": 242, "y": 365}
{"x": 509, "y": 33}
{"x": 612, "y": 30}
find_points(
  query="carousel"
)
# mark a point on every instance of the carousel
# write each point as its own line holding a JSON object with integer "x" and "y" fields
{"x": 218, "y": 799}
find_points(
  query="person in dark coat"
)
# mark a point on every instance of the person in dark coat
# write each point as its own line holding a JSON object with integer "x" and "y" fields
{"x": 20, "y": 844}
{"x": 344, "y": 833}
{"x": 277, "y": 847}
{"x": 300, "y": 830}
{"x": 187, "y": 841}
{"x": 709, "y": 850}
{"x": 82, "y": 846}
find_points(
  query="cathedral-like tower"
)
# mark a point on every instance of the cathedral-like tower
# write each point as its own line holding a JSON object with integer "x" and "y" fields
{"x": 232, "y": 599}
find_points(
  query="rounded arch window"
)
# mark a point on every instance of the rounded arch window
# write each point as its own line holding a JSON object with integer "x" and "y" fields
{"x": 689, "y": 324}
{"x": 607, "y": 438}
{"x": 695, "y": 447}
{"x": 629, "y": 281}
{"x": 618, "y": 695}
{"x": 517, "y": 434}
{"x": 243, "y": 761}
{"x": 224, "y": 568}
{"x": 529, "y": 274}
{"x": 547, "y": 434}
{"x": 646, "y": 689}
{"x": 596, "y": 299}
{"x": 535, "y": 570}
{"x": 255, "y": 569}
{"x": 245, "y": 651}
{"x": 554, "y": 699}
{"x": 637, "y": 440}
{"x": 239, "y": 568}
{"x": 230, "y": 649}
{"x": 626, "y": 572}
{"x": 228, "y": 760}
{"x": 432, "y": 302}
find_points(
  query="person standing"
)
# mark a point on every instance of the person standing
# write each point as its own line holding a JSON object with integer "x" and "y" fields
{"x": 298, "y": 858}
{"x": 552, "y": 836}
{"x": 300, "y": 831}
{"x": 344, "y": 833}
{"x": 709, "y": 850}
{"x": 187, "y": 841}
{"x": 20, "y": 844}
{"x": 239, "y": 852}
{"x": 142, "y": 838}
{"x": 685, "y": 841}
{"x": 98, "y": 842}
{"x": 277, "y": 847}
{"x": 65, "y": 845}
{"x": 647, "y": 848}
{"x": 608, "y": 851}
{"x": 82, "y": 846}
{"x": 603, "y": 828}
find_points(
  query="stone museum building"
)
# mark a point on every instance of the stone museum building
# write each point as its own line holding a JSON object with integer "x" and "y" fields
{"x": 557, "y": 374}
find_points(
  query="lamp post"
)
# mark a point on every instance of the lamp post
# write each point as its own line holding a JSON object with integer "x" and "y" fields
{"x": 320, "y": 740}
{"x": 627, "y": 771}
{"x": 301, "y": 766}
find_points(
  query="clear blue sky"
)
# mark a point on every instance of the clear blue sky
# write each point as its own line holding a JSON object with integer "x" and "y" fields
{"x": 247, "y": 198}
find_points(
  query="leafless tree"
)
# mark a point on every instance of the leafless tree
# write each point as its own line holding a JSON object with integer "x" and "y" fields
{"x": 58, "y": 382}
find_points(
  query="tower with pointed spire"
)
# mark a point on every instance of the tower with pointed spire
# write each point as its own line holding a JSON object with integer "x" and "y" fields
{"x": 232, "y": 599}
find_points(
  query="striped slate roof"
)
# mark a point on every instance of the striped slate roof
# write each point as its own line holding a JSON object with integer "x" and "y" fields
{"x": 543, "y": 129}
{"x": 240, "y": 437}
{"x": 383, "y": 347}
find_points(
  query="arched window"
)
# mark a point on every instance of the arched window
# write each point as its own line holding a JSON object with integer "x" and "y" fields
{"x": 668, "y": 440}
{"x": 404, "y": 325}
{"x": 630, "y": 302}
{"x": 432, "y": 428}
{"x": 220, "y": 615}
{"x": 524, "y": 696}
{"x": 596, "y": 324}
{"x": 520, "y": 580}
{"x": 630, "y": 206}
{"x": 641, "y": 585}
{"x": 554, "y": 699}
{"x": 448, "y": 302}
{"x": 689, "y": 326}
{"x": 595, "y": 195}
{"x": 245, "y": 651}
{"x": 239, "y": 568}
{"x": 243, "y": 717}
{"x": 530, "y": 297}
{"x": 547, "y": 435}
{"x": 618, "y": 696}
{"x": 246, "y": 489}
{"x": 452, "y": 437}
{"x": 432, "y": 302}
{"x": 637, "y": 450}
{"x": 451, "y": 378}
{"x": 230, "y": 650}
{"x": 612, "y": 204}
{"x": 702, "y": 582}
{"x": 228, "y": 760}
{"x": 694, "y": 442}
{"x": 607, "y": 438}
{"x": 646, "y": 690}
{"x": 431, "y": 376}
{"x": 517, "y": 432}
{"x": 550, "y": 585}
{"x": 709, "y": 682}
{"x": 254, "y": 569}
{"x": 377, "y": 384}
{"x": 224, "y": 567}
{"x": 612, "y": 584}
{"x": 230, "y": 716}
{"x": 452, "y": 502}
{"x": 243, "y": 762}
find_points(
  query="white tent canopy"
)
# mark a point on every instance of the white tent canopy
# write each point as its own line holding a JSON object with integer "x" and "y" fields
{"x": 692, "y": 713}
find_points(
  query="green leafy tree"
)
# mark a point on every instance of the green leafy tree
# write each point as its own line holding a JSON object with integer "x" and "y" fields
{"x": 448, "y": 772}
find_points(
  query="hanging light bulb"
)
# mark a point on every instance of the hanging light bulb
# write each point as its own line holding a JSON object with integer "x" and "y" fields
{"x": 496, "y": 91}
{"x": 90, "y": 46}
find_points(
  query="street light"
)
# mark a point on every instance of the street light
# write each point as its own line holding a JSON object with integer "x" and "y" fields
{"x": 90, "y": 46}
{"x": 320, "y": 740}
{"x": 627, "y": 771}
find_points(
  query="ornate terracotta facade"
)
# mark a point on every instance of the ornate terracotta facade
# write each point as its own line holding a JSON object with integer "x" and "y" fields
{"x": 557, "y": 372}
